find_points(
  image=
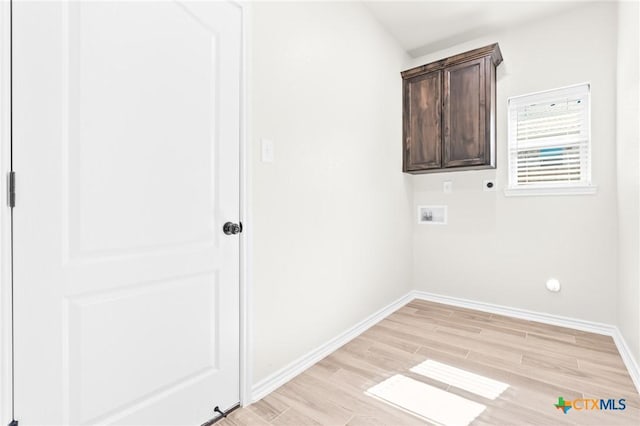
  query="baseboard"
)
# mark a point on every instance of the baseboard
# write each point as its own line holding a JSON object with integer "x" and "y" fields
{"x": 627, "y": 357}
{"x": 557, "y": 320}
{"x": 560, "y": 321}
{"x": 282, "y": 376}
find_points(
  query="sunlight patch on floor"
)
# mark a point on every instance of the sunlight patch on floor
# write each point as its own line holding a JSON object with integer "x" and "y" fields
{"x": 462, "y": 379}
{"x": 425, "y": 401}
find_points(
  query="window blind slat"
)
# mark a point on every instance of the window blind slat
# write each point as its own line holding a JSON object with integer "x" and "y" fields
{"x": 540, "y": 130}
{"x": 549, "y": 142}
{"x": 551, "y": 173}
{"x": 553, "y": 169}
{"x": 537, "y": 156}
{"x": 524, "y": 123}
{"x": 534, "y": 180}
{"x": 564, "y": 124}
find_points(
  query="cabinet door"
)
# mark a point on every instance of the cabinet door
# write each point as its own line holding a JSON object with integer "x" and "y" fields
{"x": 422, "y": 122}
{"x": 466, "y": 142}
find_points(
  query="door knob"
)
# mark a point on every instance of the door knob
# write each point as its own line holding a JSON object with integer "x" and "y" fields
{"x": 231, "y": 228}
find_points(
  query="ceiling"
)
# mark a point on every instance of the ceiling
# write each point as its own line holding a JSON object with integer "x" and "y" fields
{"x": 422, "y": 27}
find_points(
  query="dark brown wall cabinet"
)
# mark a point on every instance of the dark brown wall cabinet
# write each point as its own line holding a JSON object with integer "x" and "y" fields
{"x": 449, "y": 113}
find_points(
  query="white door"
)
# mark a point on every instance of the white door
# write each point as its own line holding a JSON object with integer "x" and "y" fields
{"x": 125, "y": 148}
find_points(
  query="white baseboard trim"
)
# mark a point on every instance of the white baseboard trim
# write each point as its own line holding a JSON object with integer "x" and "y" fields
{"x": 557, "y": 320}
{"x": 551, "y": 319}
{"x": 288, "y": 372}
{"x": 628, "y": 358}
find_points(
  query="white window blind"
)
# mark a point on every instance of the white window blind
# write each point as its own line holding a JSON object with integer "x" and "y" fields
{"x": 549, "y": 139}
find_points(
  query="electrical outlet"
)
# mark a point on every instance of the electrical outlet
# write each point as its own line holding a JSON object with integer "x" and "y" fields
{"x": 447, "y": 187}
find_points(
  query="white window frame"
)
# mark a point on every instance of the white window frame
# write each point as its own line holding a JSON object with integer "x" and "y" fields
{"x": 577, "y": 188}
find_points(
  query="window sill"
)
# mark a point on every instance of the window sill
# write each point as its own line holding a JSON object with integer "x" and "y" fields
{"x": 533, "y": 192}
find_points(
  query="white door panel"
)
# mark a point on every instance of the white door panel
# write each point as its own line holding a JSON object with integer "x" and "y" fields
{"x": 125, "y": 147}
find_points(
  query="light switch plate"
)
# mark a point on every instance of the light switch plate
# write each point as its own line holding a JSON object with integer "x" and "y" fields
{"x": 267, "y": 150}
{"x": 447, "y": 186}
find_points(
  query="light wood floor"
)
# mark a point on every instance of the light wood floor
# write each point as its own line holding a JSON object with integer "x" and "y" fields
{"x": 539, "y": 363}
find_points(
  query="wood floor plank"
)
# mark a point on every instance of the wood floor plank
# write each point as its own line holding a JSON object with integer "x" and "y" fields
{"x": 605, "y": 369}
{"x": 242, "y": 417}
{"x": 293, "y": 417}
{"x": 317, "y": 407}
{"x": 351, "y": 395}
{"x": 510, "y": 353}
{"x": 413, "y": 335}
{"x": 536, "y": 362}
{"x": 374, "y": 334}
{"x": 268, "y": 408}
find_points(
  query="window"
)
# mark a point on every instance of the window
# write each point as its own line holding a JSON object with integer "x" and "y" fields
{"x": 550, "y": 142}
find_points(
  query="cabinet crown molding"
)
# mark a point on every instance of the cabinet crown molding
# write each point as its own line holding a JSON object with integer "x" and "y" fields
{"x": 492, "y": 50}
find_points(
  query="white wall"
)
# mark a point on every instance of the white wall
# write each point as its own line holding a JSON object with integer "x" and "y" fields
{"x": 332, "y": 214}
{"x": 628, "y": 174}
{"x": 501, "y": 249}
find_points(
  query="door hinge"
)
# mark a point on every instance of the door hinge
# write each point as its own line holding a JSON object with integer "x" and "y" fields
{"x": 11, "y": 191}
{"x": 13, "y": 423}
